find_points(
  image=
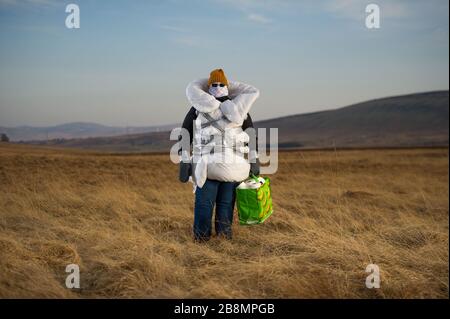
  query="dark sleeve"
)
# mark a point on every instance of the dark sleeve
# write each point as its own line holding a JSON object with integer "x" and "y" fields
{"x": 249, "y": 123}
{"x": 188, "y": 125}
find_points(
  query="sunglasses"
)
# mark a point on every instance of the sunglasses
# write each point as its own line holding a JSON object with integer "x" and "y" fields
{"x": 218, "y": 84}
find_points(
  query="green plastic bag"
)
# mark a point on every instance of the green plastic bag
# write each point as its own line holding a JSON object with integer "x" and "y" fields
{"x": 254, "y": 204}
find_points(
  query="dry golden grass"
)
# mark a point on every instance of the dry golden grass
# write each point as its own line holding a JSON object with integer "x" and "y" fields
{"x": 126, "y": 221}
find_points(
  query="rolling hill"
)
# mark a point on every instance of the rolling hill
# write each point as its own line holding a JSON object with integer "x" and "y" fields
{"x": 409, "y": 120}
{"x": 413, "y": 120}
{"x": 75, "y": 130}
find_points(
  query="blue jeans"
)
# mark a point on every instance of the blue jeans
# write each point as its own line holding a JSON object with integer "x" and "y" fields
{"x": 222, "y": 194}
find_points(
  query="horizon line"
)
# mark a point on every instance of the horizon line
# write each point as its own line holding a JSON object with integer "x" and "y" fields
{"x": 259, "y": 120}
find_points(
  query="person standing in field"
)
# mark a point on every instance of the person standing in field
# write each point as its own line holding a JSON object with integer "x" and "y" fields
{"x": 216, "y": 124}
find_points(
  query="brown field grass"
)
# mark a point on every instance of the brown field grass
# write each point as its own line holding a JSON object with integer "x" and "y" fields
{"x": 126, "y": 221}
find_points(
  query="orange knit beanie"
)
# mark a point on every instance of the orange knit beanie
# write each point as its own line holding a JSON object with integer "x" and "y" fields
{"x": 217, "y": 75}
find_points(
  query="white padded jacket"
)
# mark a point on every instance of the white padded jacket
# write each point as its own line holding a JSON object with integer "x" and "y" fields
{"x": 218, "y": 141}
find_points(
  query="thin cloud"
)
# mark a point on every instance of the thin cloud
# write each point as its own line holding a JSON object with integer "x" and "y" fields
{"x": 181, "y": 36}
{"x": 249, "y": 6}
{"x": 258, "y": 4}
{"x": 173, "y": 28}
{"x": 240, "y": 4}
{"x": 355, "y": 9}
{"x": 47, "y": 3}
{"x": 190, "y": 41}
{"x": 258, "y": 18}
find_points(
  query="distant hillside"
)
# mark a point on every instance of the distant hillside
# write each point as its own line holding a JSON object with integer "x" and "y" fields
{"x": 410, "y": 120}
{"x": 75, "y": 130}
{"x": 145, "y": 142}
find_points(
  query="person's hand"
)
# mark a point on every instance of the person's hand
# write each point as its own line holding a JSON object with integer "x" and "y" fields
{"x": 254, "y": 167}
{"x": 185, "y": 171}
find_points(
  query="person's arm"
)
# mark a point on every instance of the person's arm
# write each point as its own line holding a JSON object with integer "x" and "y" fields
{"x": 188, "y": 124}
{"x": 240, "y": 103}
{"x": 197, "y": 94}
{"x": 185, "y": 166}
{"x": 249, "y": 123}
{"x": 253, "y": 155}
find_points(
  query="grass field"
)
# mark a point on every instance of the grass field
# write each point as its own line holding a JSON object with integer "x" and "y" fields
{"x": 126, "y": 220}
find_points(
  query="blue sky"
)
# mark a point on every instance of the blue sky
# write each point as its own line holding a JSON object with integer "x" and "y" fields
{"x": 130, "y": 61}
